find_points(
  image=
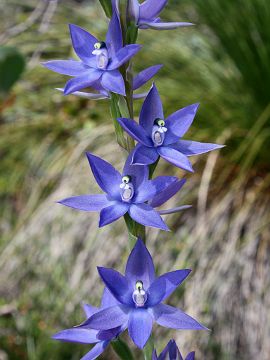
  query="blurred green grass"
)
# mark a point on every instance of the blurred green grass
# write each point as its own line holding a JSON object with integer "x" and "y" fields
{"x": 223, "y": 64}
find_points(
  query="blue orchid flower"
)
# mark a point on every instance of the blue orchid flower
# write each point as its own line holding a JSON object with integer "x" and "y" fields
{"x": 171, "y": 352}
{"x": 140, "y": 295}
{"x": 139, "y": 80}
{"x": 99, "y": 60}
{"x": 130, "y": 192}
{"x": 157, "y": 136}
{"x": 86, "y": 335}
{"x": 145, "y": 15}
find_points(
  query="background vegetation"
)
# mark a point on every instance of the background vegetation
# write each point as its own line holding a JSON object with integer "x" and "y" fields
{"x": 48, "y": 253}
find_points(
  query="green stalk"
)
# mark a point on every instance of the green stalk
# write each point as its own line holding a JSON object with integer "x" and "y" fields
{"x": 152, "y": 168}
{"x": 116, "y": 113}
{"x": 148, "y": 349}
{"x": 122, "y": 349}
{"x": 107, "y": 7}
{"x": 135, "y": 230}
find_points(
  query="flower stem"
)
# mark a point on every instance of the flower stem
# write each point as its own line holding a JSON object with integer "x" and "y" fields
{"x": 115, "y": 113}
{"x": 152, "y": 168}
{"x": 148, "y": 349}
{"x": 135, "y": 230}
{"x": 122, "y": 349}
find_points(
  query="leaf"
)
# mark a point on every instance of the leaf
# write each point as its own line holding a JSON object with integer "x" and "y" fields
{"x": 12, "y": 64}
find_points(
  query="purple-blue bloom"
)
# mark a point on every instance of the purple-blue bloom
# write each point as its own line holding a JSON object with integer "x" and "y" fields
{"x": 130, "y": 192}
{"x": 140, "y": 295}
{"x": 99, "y": 60}
{"x": 139, "y": 80}
{"x": 171, "y": 352}
{"x": 87, "y": 335}
{"x": 146, "y": 14}
{"x": 157, "y": 136}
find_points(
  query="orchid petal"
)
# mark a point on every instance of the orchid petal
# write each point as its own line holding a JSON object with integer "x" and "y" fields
{"x": 136, "y": 131}
{"x": 140, "y": 325}
{"x": 191, "y": 356}
{"x": 174, "y": 318}
{"x": 87, "y": 95}
{"x": 147, "y": 216}
{"x": 83, "y": 43}
{"x": 156, "y": 292}
{"x": 108, "y": 318}
{"x": 154, "y": 355}
{"x": 174, "y": 210}
{"x": 66, "y": 67}
{"x": 86, "y": 202}
{"x": 117, "y": 284}
{"x": 113, "y": 81}
{"x": 139, "y": 174}
{"x": 108, "y": 299}
{"x": 164, "y": 25}
{"x": 123, "y": 55}
{"x": 168, "y": 193}
{"x": 171, "y": 351}
{"x": 140, "y": 96}
{"x": 170, "y": 281}
{"x": 143, "y": 155}
{"x": 107, "y": 177}
{"x": 190, "y": 148}
{"x": 82, "y": 81}
{"x": 150, "y": 9}
{"x": 114, "y": 35}
{"x": 175, "y": 157}
{"x": 89, "y": 310}
{"x": 133, "y": 10}
{"x": 96, "y": 351}
{"x": 151, "y": 110}
{"x": 151, "y": 188}
{"x": 145, "y": 75}
{"x": 179, "y": 122}
{"x": 112, "y": 213}
{"x": 140, "y": 265}
{"x": 78, "y": 335}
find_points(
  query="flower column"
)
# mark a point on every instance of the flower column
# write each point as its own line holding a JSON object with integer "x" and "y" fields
{"x": 133, "y": 301}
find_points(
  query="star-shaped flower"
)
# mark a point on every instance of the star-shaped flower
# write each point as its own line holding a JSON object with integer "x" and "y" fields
{"x": 130, "y": 192}
{"x": 99, "y": 60}
{"x": 140, "y": 294}
{"x": 171, "y": 352}
{"x": 145, "y": 15}
{"x": 139, "y": 80}
{"x": 157, "y": 136}
{"x": 87, "y": 335}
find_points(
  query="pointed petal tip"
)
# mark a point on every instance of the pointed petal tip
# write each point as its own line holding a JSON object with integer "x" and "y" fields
{"x": 54, "y": 337}
{"x": 100, "y": 269}
{"x": 90, "y": 156}
{"x": 72, "y": 26}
